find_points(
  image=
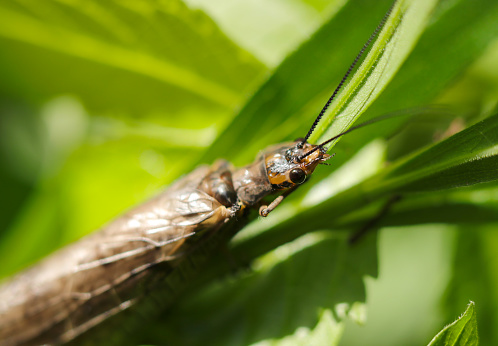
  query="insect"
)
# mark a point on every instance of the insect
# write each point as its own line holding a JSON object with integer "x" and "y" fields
{"x": 106, "y": 273}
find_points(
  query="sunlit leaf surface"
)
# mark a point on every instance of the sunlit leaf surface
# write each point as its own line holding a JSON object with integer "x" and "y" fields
{"x": 462, "y": 332}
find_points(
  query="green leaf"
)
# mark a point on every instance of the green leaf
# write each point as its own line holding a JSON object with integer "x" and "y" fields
{"x": 476, "y": 171}
{"x": 463, "y": 159}
{"x": 273, "y": 32}
{"x": 145, "y": 78}
{"x": 397, "y": 39}
{"x": 143, "y": 51}
{"x": 414, "y": 269}
{"x": 285, "y": 105}
{"x": 294, "y": 284}
{"x": 441, "y": 54}
{"x": 475, "y": 275}
{"x": 326, "y": 332}
{"x": 436, "y": 62}
{"x": 427, "y": 212}
{"x": 462, "y": 332}
{"x": 457, "y": 149}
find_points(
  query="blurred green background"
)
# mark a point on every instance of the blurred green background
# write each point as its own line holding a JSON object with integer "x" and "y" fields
{"x": 103, "y": 103}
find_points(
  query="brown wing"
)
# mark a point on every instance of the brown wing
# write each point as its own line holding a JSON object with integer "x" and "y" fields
{"x": 90, "y": 280}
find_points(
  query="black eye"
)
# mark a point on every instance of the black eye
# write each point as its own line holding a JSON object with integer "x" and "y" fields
{"x": 297, "y": 176}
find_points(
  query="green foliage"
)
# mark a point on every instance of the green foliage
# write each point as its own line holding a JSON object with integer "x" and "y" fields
{"x": 156, "y": 81}
{"x": 461, "y": 332}
{"x": 103, "y": 103}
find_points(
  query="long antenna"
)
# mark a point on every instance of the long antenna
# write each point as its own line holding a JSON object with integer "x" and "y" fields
{"x": 348, "y": 72}
{"x": 441, "y": 110}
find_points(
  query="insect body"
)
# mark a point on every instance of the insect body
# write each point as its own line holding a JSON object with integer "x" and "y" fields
{"x": 99, "y": 276}
{"x": 107, "y": 272}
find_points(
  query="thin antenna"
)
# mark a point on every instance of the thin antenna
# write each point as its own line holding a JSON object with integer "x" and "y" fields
{"x": 348, "y": 72}
{"x": 441, "y": 110}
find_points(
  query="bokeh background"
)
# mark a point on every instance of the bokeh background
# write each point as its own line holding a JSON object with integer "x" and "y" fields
{"x": 104, "y": 103}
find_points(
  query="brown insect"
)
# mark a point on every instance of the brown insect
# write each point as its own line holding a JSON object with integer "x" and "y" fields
{"x": 105, "y": 273}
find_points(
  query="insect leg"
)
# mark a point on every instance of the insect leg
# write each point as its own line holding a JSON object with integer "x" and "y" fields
{"x": 264, "y": 210}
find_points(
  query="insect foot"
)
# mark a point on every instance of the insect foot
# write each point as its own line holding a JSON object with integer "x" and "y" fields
{"x": 263, "y": 211}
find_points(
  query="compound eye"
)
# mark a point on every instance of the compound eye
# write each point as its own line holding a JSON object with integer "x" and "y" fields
{"x": 297, "y": 176}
